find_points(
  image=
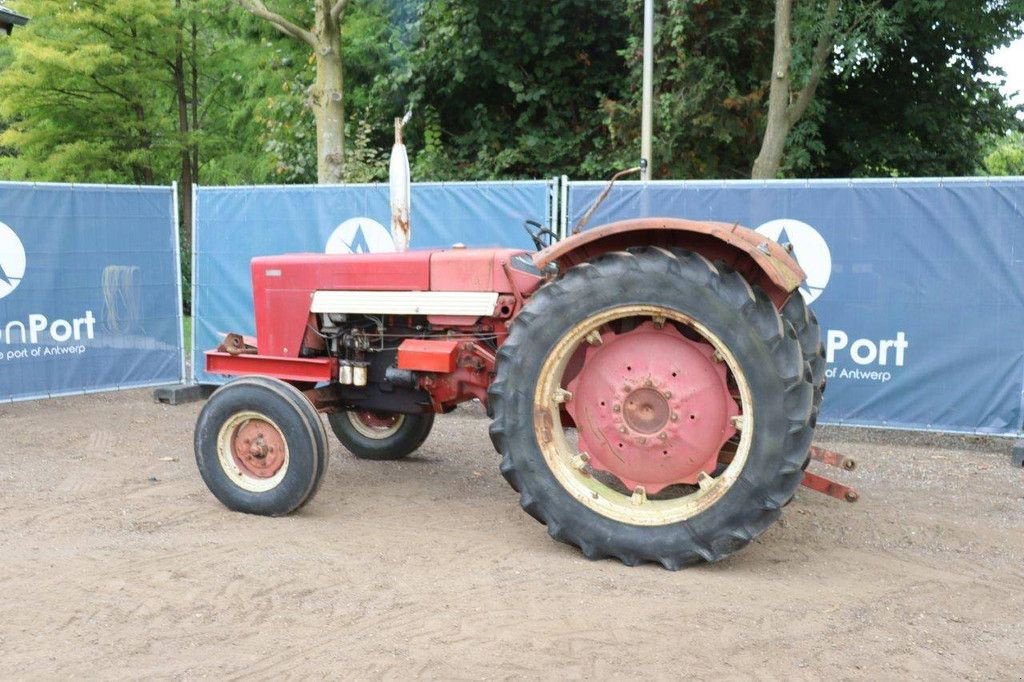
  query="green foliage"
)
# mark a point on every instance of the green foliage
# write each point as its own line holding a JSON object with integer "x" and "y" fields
{"x": 80, "y": 93}
{"x": 364, "y": 162}
{"x": 290, "y": 138}
{"x": 90, "y": 93}
{"x": 712, "y": 61}
{"x": 372, "y": 53}
{"x": 500, "y": 89}
{"x": 516, "y": 87}
{"x": 927, "y": 96}
{"x": 432, "y": 161}
{"x": 1006, "y": 156}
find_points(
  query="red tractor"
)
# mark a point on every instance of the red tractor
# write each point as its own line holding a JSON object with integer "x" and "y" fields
{"x": 653, "y": 383}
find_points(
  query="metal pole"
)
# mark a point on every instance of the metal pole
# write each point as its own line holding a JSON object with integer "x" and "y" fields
{"x": 647, "y": 115}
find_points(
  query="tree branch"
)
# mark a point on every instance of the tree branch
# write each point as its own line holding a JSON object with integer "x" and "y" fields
{"x": 257, "y": 8}
{"x": 338, "y": 11}
{"x": 822, "y": 50}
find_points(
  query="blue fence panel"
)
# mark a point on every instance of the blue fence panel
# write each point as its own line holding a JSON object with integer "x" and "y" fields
{"x": 90, "y": 295}
{"x": 235, "y": 224}
{"x": 918, "y": 284}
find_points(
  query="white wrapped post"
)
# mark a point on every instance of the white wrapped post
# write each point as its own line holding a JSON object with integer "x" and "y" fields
{"x": 401, "y": 191}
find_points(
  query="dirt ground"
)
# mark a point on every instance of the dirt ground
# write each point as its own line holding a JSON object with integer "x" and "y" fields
{"x": 116, "y": 563}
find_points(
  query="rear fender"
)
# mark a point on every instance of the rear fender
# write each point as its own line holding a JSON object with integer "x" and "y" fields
{"x": 759, "y": 259}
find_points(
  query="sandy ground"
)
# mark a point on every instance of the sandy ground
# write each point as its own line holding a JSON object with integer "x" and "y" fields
{"x": 115, "y": 563}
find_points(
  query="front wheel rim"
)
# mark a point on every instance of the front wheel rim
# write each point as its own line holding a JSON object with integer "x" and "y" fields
{"x": 252, "y": 451}
{"x": 584, "y": 476}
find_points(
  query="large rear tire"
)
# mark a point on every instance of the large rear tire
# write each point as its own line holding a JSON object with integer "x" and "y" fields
{"x": 805, "y": 324}
{"x": 260, "y": 446}
{"x": 710, "y": 353}
{"x": 381, "y": 435}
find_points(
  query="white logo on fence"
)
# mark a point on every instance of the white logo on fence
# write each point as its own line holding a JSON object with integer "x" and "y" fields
{"x": 360, "y": 235}
{"x": 809, "y": 249}
{"x": 12, "y": 260}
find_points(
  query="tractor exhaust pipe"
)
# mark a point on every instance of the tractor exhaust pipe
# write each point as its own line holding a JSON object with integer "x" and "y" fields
{"x": 401, "y": 192}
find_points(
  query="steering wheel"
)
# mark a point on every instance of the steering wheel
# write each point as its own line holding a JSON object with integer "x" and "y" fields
{"x": 537, "y": 233}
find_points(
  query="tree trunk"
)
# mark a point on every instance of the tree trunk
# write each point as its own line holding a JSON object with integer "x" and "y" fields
{"x": 144, "y": 170}
{"x": 194, "y": 78}
{"x": 328, "y": 97}
{"x": 773, "y": 145}
{"x": 784, "y": 106}
{"x": 178, "y": 71}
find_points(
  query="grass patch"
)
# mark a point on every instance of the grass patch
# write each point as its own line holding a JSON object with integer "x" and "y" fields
{"x": 187, "y": 324}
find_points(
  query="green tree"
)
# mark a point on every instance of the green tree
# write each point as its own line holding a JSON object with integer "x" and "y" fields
{"x": 923, "y": 102}
{"x": 831, "y": 27}
{"x": 133, "y": 91}
{"x": 899, "y": 74}
{"x": 1005, "y": 156}
{"x": 81, "y": 93}
{"x": 327, "y": 96}
{"x": 375, "y": 55}
{"x": 710, "y": 71}
{"x": 515, "y": 89}
{"x": 199, "y": 91}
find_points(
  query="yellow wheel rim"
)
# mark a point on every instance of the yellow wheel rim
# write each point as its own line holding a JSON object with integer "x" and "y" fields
{"x": 570, "y": 466}
{"x": 252, "y": 451}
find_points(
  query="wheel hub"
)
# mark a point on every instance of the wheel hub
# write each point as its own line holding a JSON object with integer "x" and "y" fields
{"x": 376, "y": 420}
{"x": 651, "y": 406}
{"x": 258, "y": 448}
{"x": 376, "y": 425}
{"x": 646, "y": 410}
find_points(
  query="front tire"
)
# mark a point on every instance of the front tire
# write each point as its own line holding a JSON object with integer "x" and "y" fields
{"x": 683, "y": 308}
{"x": 260, "y": 446}
{"x": 381, "y": 435}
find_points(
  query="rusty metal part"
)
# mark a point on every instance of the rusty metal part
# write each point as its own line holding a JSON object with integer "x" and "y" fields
{"x": 829, "y": 487}
{"x": 258, "y": 448}
{"x": 506, "y": 306}
{"x": 471, "y": 377}
{"x": 626, "y": 394}
{"x": 750, "y": 253}
{"x": 236, "y": 344}
{"x": 647, "y": 410}
{"x": 634, "y": 483}
{"x": 601, "y": 197}
{"x": 832, "y": 459}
